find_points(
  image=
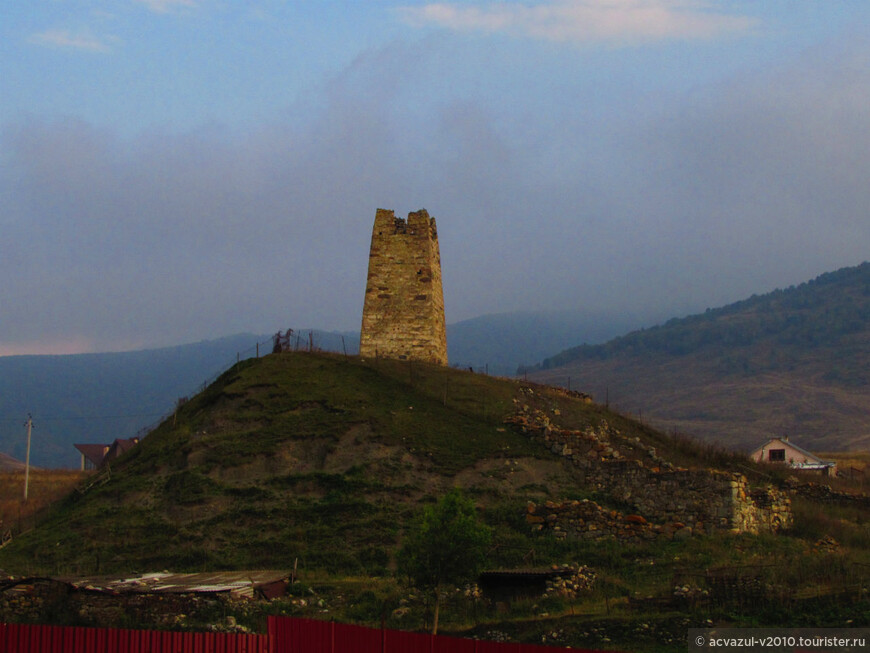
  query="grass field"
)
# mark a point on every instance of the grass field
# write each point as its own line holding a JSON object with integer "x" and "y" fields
{"x": 45, "y": 487}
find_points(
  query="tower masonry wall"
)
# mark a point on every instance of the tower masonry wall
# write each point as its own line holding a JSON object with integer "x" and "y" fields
{"x": 403, "y": 313}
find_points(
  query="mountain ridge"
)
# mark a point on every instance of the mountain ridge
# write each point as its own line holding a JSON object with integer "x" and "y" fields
{"x": 791, "y": 362}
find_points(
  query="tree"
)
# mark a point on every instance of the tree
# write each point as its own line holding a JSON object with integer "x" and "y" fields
{"x": 446, "y": 544}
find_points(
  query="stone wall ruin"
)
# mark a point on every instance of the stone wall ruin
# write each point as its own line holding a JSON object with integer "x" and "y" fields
{"x": 659, "y": 499}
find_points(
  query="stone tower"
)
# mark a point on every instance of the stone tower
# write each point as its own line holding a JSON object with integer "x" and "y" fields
{"x": 403, "y": 314}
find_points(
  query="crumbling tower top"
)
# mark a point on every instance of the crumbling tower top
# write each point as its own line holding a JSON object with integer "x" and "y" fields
{"x": 403, "y": 314}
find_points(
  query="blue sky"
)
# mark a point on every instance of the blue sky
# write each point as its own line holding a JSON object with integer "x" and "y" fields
{"x": 174, "y": 170}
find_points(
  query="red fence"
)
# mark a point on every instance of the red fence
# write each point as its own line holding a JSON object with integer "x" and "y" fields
{"x": 286, "y": 635}
{"x": 290, "y": 635}
{"x": 26, "y": 638}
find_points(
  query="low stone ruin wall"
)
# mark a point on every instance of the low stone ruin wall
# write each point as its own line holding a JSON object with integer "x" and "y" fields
{"x": 705, "y": 499}
{"x": 588, "y": 521}
{"x": 702, "y": 500}
{"x": 826, "y": 494}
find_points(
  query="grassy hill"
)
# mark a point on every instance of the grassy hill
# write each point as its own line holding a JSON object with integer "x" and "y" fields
{"x": 322, "y": 460}
{"x": 93, "y": 398}
{"x": 293, "y": 456}
{"x": 791, "y": 362}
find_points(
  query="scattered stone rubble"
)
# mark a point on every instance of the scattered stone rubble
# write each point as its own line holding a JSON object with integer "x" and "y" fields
{"x": 827, "y": 544}
{"x": 690, "y": 593}
{"x": 587, "y": 520}
{"x": 572, "y": 580}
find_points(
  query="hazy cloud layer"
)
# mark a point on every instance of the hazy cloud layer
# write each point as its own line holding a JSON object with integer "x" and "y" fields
{"x": 586, "y": 21}
{"x": 168, "y": 6}
{"x": 73, "y": 40}
{"x": 657, "y": 210}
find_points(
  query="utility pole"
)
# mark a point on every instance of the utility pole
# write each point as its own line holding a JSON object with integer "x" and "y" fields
{"x": 29, "y": 425}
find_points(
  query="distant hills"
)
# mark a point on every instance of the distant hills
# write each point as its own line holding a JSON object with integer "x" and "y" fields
{"x": 95, "y": 398}
{"x": 10, "y": 464}
{"x": 794, "y": 362}
{"x": 501, "y": 343}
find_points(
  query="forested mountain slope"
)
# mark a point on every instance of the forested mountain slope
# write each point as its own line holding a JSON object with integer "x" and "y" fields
{"x": 793, "y": 361}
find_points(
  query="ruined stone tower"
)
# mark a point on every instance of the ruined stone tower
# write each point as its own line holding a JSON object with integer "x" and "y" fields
{"x": 403, "y": 315}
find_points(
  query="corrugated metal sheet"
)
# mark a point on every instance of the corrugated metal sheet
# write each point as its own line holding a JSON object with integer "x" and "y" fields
{"x": 248, "y": 584}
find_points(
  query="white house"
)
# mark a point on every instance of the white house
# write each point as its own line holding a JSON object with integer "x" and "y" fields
{"x": 780, "y": 450}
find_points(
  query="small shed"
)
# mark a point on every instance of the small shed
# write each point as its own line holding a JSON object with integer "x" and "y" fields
{"x": 507, "y": 585}
{"x": 780, "y": 450}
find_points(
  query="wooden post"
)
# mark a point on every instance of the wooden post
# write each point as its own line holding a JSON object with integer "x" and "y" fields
{"x": 29, "y": 425}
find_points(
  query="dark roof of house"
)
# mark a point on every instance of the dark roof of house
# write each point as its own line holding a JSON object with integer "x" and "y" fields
{"x": 93, "y": 452}
{"x": 100, "y": 453}
{"x": 546, "y": 572}
{"x": 121, "y": 445}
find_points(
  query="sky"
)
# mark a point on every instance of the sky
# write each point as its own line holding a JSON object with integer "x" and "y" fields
{"x": 178, "y": 170}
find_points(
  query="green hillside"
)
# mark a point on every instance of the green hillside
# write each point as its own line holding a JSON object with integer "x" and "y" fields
{"x": 792, "y": 362}
{"x": 293, "y": 456}
{"x": 321, "y": 461}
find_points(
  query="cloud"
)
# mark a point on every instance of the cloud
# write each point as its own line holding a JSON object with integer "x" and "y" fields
{"x": 81, "y": 40}
{"x": 587, "y": 21}
{"x": 166, "y": 237}
{"x": 168, "y": 6}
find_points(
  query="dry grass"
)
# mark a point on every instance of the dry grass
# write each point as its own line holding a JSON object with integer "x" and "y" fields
{"x": 44, "y": 488}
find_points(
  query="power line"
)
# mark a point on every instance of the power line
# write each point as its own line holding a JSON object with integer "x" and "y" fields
{"x": 90, "y": 417}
